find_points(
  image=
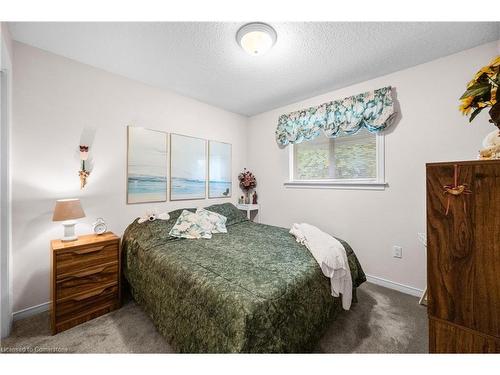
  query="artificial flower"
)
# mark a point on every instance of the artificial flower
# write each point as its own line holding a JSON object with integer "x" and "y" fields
{"x": 247, "y": 180}
{"x": 481, "y": 90}
{"x": 495, "y": 62}
{"x": 465, "y": 105}
{"x": 84, "y": 152}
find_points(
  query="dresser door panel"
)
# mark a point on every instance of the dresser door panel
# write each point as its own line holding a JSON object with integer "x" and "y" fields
{"x": 450, "y": 260}
{"x": 447, "y": 338}
{"x": 486, "y": 285}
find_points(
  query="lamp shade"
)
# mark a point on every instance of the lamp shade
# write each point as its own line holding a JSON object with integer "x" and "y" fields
{"x": 68, "y": 209}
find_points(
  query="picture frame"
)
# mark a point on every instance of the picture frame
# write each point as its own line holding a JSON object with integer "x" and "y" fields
{"x": 188, "y": 167}
{"x": 147, "y": 165}
{"x": 219, "y": 169}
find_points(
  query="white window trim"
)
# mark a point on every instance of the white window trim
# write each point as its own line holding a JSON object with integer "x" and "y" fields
{"x": 377, "y": 183}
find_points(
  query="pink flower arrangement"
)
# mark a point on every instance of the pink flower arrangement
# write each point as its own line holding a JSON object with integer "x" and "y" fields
{"x": 247, "y": 180}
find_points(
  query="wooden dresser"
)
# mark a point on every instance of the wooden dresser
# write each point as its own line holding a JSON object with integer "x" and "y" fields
{"x": 463, "y": 256}
{"x": 85, "y": 279}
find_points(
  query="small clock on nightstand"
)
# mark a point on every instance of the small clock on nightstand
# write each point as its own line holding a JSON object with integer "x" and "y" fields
{"x": 99, "y": 227}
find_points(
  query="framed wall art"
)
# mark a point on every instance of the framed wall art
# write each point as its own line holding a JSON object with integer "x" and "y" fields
{"x": 188, "y": 167}
{"x": 219, "y": 170}
{"x": 146, "y": 165}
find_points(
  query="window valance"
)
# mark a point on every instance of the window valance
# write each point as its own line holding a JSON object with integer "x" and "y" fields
{"x": 373, "y": 110}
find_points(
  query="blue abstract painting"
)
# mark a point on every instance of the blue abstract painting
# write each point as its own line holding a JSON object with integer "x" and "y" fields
{"x": 219, "y": 170}
{"x": 146, "y": 165}
{"x": 188, "y": 167}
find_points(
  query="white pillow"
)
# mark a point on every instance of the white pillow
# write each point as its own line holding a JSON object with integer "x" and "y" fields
{"x": 218, "y": 221}
{"x": 191, "y": 225}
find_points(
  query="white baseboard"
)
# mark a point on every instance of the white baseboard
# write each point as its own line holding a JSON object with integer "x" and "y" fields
{"x": 30, "y": 311}
{"x": 412, "y": 291}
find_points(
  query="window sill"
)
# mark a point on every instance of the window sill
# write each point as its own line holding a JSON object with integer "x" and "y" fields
{"x": 348, "y": 185}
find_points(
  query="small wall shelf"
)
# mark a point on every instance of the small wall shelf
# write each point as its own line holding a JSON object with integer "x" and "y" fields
{"x": 248, "y": 208}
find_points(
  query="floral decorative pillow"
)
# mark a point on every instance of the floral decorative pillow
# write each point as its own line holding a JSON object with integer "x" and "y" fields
{"x": 218, "y": 221}
{"x": 191, "y": 225}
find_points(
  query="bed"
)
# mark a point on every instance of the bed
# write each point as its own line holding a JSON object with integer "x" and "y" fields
{"x": 254, "y": 289}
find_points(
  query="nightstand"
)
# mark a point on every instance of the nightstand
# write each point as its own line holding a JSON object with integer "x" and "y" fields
{"x": 85, "y": 279}
{"x": 248, "y": 208}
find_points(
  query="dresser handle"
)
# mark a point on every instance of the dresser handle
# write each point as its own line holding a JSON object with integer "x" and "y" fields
{"x": 93, "y": 293}
{"x": 89, "y": 250}
{"x": 84, "y": 273}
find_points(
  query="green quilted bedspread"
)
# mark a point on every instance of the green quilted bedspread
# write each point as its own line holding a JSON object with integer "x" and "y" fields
{"x": 254, "y": 289}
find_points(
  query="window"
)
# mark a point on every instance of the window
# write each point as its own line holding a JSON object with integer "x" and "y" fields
{"x": 354, "y": 161}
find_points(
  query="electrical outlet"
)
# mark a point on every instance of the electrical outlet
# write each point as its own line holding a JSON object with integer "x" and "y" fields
{"x": 397, "y": 252}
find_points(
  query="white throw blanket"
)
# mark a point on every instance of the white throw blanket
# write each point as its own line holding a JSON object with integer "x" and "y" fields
{"x": 331, "y": 257}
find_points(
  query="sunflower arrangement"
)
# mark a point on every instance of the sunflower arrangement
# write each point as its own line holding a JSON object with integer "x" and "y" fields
{"x": 482, "y": 93}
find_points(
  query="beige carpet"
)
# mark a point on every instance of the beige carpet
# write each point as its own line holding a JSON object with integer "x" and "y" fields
{"x": 383, "y": 321}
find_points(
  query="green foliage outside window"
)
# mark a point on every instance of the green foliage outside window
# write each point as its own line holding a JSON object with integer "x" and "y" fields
{"x": 349, "y": 157}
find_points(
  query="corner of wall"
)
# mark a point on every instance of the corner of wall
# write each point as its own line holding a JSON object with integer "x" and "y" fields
{"x": 247, "y": 140}
{"x": 6, "y": 55}
{"x": 7, "y": 38}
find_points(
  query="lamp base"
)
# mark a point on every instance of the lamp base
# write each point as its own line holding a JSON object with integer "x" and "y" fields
{"x": 68, "y": 239}
{"x": 69, "y": 231}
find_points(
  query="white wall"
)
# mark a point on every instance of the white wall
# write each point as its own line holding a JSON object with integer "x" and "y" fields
{"x": 5, "y": 198}
{"x": 54, "y": 99}
{"x": 430, "y": 129}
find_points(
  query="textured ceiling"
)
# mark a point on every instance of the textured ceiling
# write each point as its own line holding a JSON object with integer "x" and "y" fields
{"x": 203, "y": 61}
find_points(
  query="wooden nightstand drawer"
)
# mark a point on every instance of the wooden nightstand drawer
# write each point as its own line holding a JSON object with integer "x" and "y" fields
{"x": 73, "y": 260}
{"x": 76, "y": 282}
{"x": 85, "y": 280}
{"x": 71, "y": 307}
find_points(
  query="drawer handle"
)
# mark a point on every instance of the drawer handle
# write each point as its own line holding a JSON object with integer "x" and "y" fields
{"x": 85, "y": 273}
{"x": 93, "y": 293}
{"x": 89, "y": 250}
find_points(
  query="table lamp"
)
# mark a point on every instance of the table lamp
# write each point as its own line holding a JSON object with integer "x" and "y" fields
{"x": 67, "y": 210}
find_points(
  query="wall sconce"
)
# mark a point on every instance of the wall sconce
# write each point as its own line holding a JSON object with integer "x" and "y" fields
{"x": 83, "y": 173}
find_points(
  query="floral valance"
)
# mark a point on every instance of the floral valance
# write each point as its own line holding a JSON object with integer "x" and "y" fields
{"x": 373, "y": 110}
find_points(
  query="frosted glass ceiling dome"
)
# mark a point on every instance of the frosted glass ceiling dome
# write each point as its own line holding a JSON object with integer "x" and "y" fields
{"x": 256, "y": 38}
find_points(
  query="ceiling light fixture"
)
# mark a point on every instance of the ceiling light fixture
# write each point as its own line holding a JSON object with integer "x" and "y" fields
{"x": 256, "y": 38}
